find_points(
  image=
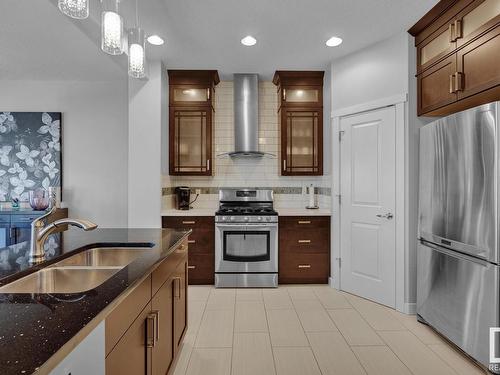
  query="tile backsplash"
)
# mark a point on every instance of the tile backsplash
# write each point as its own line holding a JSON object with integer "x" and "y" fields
{"x": 250, "y": 173}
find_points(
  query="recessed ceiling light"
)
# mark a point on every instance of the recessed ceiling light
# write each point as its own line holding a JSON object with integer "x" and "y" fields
{"x": 248, "y": 41}
{"x": 155, "y": 40}
{"x": 334, "y": 41}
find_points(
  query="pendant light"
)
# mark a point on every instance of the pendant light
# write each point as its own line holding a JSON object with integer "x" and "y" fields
{"x": 136, "y": 49}
{"x": 78, "y": 9}
{"x": 111, "y": 28}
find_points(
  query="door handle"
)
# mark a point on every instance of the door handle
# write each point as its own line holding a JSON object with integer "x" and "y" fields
{"x": 177, "y": 287}
{"x": 387, "y": 216}
{"x": 191, "y": 241}
{"x": 191, "y": 267}
{"x": 304, "y": 241}
{"x": 150, "y": 330}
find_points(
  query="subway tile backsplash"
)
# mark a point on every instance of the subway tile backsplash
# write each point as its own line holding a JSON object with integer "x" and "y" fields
{"x": 261, "y": 173}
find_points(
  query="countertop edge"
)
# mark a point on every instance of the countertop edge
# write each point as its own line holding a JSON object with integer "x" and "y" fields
{"x": 281, "y": 212}
{"x": 71, "y": 344}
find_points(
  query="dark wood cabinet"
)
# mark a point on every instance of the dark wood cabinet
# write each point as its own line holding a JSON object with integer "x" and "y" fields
{"x": 304, "y": 249}
{"x": 300, "y": 110}
{"x": 201, "y": 263}
{"x": 458, "y": 48}
{"x": 191, "y": 103}
{"x": 162, "y": 309}
{"x": 179, "y": 286}
{"x": 145, "y": 331}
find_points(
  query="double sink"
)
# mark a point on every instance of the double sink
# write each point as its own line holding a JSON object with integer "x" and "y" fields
{"x": 78, "y": 273}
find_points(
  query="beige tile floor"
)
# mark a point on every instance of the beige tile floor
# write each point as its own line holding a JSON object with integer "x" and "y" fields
{"x": 302, "y": 330}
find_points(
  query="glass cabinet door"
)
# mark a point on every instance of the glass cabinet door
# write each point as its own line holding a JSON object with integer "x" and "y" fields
{"x": 301, "y": 95}
{"x": 471, "y": 22}
{"x": 303, "y": 142}
{"x": 191, "y": 141}
{"x": 191, "y": 94}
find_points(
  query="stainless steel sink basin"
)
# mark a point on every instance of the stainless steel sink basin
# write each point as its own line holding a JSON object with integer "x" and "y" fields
{"x": 104, "y": 257}
{"x": 78, "y": 273}
{"x": 61, "y": 280}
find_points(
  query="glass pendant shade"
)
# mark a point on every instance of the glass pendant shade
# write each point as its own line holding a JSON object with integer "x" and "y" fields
{"x": 112, "y": 28}
{"x": 136, "y": 53}
{"x": 78, "y": 9}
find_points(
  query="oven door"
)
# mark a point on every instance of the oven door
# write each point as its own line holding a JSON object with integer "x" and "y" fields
{"x": 246, "y": 248}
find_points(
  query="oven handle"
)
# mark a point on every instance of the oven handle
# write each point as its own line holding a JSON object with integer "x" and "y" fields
{"x": 253, "y": 225}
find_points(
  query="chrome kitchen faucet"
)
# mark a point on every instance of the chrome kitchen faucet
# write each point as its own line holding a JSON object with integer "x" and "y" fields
{"x": 39, "y": 233}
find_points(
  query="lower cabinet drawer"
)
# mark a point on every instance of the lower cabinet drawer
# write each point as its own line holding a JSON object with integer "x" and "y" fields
{"x": 315, "y": 240}
{"x": 201, "y": 268}
{"x": 304, "y": 268}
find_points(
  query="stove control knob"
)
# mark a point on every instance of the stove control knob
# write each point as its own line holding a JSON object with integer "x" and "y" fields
{"x": 224, "y": 218}
{"x": 246, "y": 218}
{"x": 268, "y": 218}
{"x": 259, "y": 218}
{"x": 231, "y": 218}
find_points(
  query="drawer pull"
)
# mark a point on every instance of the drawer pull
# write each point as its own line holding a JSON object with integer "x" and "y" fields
{"x": 151, "y": 330}
{"x": 304, "y": 266}
{"x": 304, "y": 241}
{"x": 304, "y": 222}
{"x": 191, "y": 241}
{"x": 188, "y": 222}
{"x": 191, "y": 267}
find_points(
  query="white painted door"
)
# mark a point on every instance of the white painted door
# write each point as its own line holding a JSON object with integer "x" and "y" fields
{"x": 368, "y": 199}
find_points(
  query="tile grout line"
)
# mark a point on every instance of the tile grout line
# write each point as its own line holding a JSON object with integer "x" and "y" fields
{"x": 196, "y": 334}
{"x": 269, "y": 334}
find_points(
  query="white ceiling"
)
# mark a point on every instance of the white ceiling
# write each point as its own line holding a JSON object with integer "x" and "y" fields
{"x": 38, "y": 41}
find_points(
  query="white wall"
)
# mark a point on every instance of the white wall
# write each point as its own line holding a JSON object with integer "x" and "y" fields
{"x": 95, "y": 141}
{"x": 147, "y": 118}
{"x": 364, "y": 79}
{"x": 376, "y": 72}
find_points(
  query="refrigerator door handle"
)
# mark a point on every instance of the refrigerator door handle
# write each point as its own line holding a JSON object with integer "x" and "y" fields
{"x": 455, "y": 254}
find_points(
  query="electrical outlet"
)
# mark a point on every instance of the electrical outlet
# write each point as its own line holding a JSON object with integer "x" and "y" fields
{"x": 198, "y": 191}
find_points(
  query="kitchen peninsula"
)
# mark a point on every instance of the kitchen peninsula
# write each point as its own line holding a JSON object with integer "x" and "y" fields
{"x": 46, "y": 332}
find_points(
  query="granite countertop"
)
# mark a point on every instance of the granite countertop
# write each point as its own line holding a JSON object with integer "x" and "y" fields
{"x": 281, "y": 212}
{"x": 33, "y": 327}
{"x": 20, "y": 211}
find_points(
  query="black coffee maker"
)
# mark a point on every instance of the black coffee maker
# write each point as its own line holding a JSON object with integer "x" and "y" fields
{"x": 182, "y": 197}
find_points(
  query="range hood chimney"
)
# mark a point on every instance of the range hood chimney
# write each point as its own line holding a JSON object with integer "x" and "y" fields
{"x": 246, "y": 117}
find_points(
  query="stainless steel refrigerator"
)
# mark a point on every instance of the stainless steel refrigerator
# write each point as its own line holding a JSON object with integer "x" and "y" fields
{"x": 458, "y": 256}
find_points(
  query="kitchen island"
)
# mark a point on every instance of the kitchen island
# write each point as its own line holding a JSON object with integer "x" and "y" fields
{"x": 38, "y": 331}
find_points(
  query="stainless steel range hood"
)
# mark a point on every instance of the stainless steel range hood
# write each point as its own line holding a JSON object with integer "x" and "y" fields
{"x": 246, "y": 117}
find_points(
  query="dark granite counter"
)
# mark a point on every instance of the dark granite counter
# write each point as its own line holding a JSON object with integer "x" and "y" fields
{"x": 33, "y": 327}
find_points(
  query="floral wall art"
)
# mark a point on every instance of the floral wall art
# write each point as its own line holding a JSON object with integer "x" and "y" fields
{"x": 30, "y": 153}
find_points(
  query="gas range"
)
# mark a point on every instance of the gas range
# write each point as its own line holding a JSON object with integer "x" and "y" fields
{"x": 246, "y": 206}
{"x": 246, "y": 241}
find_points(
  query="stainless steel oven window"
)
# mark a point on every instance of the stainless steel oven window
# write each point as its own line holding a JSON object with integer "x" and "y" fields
{"x": 246, "y": 246}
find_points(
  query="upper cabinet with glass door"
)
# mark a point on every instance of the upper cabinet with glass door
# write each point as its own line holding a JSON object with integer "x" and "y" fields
{"x": 301, "y": 122}
{"x": 458, "y": 49}
{"x": 191, "y": 102}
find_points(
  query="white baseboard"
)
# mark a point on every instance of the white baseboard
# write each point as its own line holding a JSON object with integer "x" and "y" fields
{"x": 409, "y": 308}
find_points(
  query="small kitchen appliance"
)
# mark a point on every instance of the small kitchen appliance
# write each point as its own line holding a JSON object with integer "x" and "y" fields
{"x": 246, "y": 239}
{"x": 182, "y": 197}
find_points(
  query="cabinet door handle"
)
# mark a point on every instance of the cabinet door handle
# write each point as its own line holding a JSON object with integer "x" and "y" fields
{"x": 208, "y": 164}
{"x": 304, "y": 266}
{"x": 304, "y": 241}
{"x": 157, "y": 325}
{"x": 150, "y": 330}
{"x": 458, "y": 30}
{"x": 452, "y": 90}
{"x": 304, "y": 222}
{"x": 191, "y": 267}
{"x": 177, "y": 287}
{"x": 189, "y": 222}
{"x": 191, "y": 241}
{"x": 459, "y": 81}
{"x": 451, "y": 30}
{"x": 284, "y": 164}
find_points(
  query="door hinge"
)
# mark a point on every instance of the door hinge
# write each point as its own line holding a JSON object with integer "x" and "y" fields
{"x": 340, "y": 262}
{"x": 341, "y": 134}
{"x": 339, "y": 197}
